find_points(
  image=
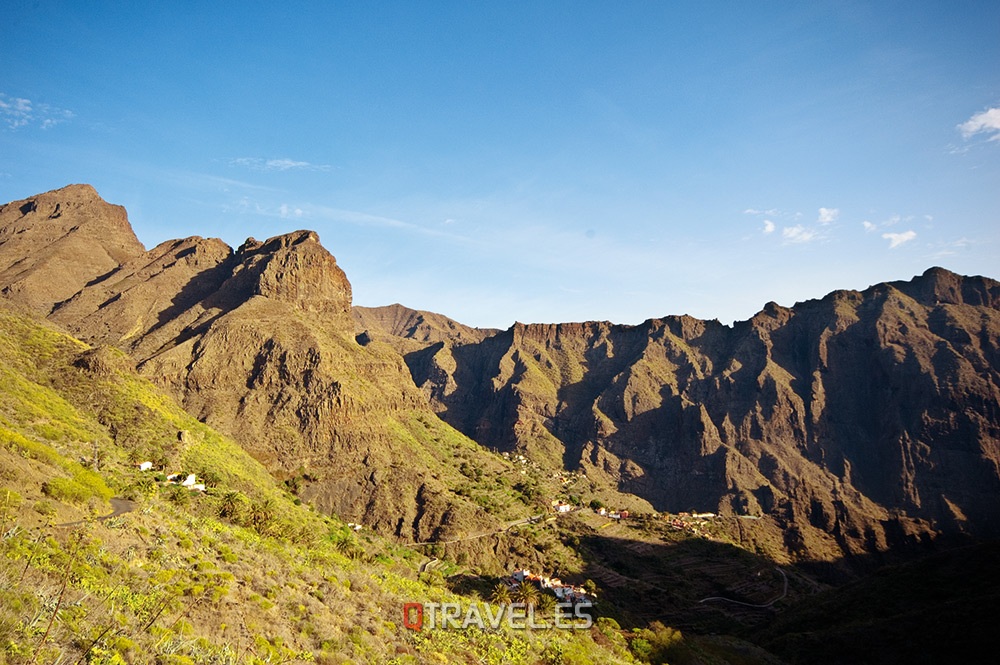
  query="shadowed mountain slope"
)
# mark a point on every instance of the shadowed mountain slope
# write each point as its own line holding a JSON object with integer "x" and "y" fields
{"x": 859, "y": 421}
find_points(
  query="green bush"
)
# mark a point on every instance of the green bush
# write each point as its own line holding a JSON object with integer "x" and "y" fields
{"x": 83, "y": 486}
{"x": 9, "y": 500}
{"x": 656, "y": 643}
{"x": 28, "y": 448}
{"x": 45, "y": 508}
{"x": 93, "y": 483}
{"x": 178, "y": 495}
{"x": 142, "y": 487}
{"x": 65, "y": 490}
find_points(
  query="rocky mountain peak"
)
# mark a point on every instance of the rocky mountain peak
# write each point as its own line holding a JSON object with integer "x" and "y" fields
{"x": 938, "y": 286}
{"x": 73, "y": 231}
{"x": 259, "y": 343}
{"x": 280, "y": 242}
{"x": 401, "y": 323}
{"x": 294, "y": 268}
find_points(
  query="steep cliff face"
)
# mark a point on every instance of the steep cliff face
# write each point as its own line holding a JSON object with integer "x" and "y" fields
{"x": 260, "y": 343}
{"x": 857, "y": 421}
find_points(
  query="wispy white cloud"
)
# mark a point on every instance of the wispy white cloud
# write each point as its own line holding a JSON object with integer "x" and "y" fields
{"x": 891, "y": 221}
{"x": 953, "y": 247}
{"x": 361, "y": 218}
{"x": 18, "y": 112}
{"x": 799, "y": 234}
{"x": 960, "y": 243}
{"x": 986, "y": 122}
{"x": 794, "y": 230}
{"x": 283, "y": 164}
{"x": 321, "y": 214}
{"x": 196, "y": 180}
{"x": 828, "y": 215}
{"x": 897, "y": 239}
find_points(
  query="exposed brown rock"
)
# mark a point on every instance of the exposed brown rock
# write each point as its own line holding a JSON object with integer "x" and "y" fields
{"x": 399, "y": 322}
{"x": 54, "y": 244}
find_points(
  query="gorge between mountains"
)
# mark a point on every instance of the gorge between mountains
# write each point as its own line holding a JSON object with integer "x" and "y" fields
{"x": 857, "y": 423}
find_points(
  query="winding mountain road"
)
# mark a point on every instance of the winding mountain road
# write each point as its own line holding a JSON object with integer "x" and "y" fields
{"x": 506, "y": 527}
{"x": 119, "y": 506}
{"x": 784, "y": 593}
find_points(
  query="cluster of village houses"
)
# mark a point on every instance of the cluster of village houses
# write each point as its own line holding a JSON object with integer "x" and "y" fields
{"x": 691, "y": 522}
{"x": 566, "y": 593}
{"x": 561, "y": 506}
{"x": 567, "y": 477}
{"x": 522, "y": 460}
{"x": 189, "y": 481}
{"x": 612, "y": 514}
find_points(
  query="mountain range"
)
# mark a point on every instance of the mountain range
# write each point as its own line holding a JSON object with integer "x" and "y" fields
{"x": 858, "y": 423}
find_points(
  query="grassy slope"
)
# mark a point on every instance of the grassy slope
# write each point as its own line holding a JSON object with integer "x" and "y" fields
{"x": 174, "y": 581}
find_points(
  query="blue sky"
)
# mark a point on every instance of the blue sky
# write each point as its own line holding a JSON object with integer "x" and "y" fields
{"x": 531, "y": 161}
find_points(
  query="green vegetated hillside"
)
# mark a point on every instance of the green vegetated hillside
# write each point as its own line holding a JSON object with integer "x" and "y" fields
{"x": 241, "y": 573}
